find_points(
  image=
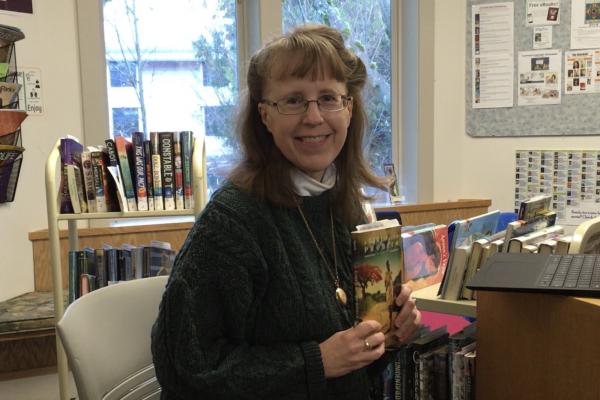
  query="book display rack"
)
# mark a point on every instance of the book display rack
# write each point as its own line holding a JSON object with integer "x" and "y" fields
{"x": 54, "y": 217}
{"x": 11, "y": 150}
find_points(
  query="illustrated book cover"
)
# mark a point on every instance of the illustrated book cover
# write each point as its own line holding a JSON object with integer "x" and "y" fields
{"x": 377, "y": 263}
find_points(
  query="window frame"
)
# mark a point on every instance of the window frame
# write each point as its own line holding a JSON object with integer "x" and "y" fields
{"x": 257, "y": 21}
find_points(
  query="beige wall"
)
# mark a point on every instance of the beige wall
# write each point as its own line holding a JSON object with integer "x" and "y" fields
{"x": 50, "y": 44}
{"x": 465, "y": 167}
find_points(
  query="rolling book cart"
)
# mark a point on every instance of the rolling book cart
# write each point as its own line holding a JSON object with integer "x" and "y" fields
{"x": 52, "y": 169}
{"x": 11, "y": 151}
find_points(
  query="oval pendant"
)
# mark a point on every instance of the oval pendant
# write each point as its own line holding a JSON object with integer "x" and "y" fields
{"x": 341, "y": 296}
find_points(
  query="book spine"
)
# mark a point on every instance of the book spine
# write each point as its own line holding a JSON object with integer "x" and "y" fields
{"x": 123, "y": 147}
{"x": 98, "y": 179}
{"x": 149, "y": 180}
{"x": 156, "y": 171}
{"x": 187, "y": 145}
{"x": 70, "y": 154}
{"x": 140, "y": 171}
{"x": 73, "y": 190}
{"x": 110, "y": 190}
{"x": 168, "y": 178}
{"x": 179, "y": 203}
{"x": 73, "y": 276}
{"x": 88, "y": 178}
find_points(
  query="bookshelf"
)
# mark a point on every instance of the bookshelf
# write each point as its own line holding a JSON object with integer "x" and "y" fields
{"x": 428, "y": 300}
{"x": 54, "y": 217}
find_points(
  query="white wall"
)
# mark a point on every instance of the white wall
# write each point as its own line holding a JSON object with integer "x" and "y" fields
{"x": 50, "y": 44}
{"x": 465, "y": 167}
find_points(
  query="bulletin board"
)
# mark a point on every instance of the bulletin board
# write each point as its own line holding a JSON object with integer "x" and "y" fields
{"x": 576, "y": 115}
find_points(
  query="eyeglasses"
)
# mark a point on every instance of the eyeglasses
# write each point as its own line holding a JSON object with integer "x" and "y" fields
{"x": 293, "y": 105}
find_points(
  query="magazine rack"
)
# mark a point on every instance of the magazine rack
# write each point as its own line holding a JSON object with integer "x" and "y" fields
{"x": 11, "y": 151}
{"x": 53, "y": 162}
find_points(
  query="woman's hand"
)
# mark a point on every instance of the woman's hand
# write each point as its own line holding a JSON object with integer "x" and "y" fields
{"x": 354, "y": 348}
{"x": 408, "y": 319}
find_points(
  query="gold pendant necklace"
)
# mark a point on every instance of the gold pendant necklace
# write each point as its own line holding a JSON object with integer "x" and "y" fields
{"x": 340, "y": 295}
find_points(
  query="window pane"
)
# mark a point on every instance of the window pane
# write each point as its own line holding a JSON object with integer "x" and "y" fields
{"x": 126, "y": 119}
{"x": 172, "y": 61}
{"x": 366, "y": 26}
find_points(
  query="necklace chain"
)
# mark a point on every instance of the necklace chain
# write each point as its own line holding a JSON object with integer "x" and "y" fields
{"x": 334, "y": 273}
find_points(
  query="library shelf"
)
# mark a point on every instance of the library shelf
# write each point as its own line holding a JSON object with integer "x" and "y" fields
{"x": 51, "y": 174}
{"x": 428, "y": 300}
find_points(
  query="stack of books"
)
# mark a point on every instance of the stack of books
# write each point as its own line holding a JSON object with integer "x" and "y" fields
{"x": 137, "y": 174}
{"x": 91, "y": 269}
{"x": 433, "y": 365}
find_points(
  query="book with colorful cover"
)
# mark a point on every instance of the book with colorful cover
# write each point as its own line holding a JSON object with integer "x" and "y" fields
{"x": 378, "y": 273}
{"x": 125, "y": 156}
{"x": 466, "y": 231}
{"x": 70, "y": 154}
{"x": 425, "y": 256}
{"x": 168, "y": 169}
{"x": 139, "y": 161}
{"x": 187, "y": 146}
{"x": 177, "y": 161}
{"x": 534, "y": 206}
{"x": 10, "y": 166}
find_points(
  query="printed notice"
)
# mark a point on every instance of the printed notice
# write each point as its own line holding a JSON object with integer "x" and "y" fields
{"x": 543, "y": 12}
{"x": 30, "y": 97}
{"x": 568, "y": 175}
{"x": 539, "y": 77}
{"x": 492, "y": 55}
{"x": 585, "y": 24}
{"x": 542, "y": 37}
{"x": 579, "y": 72}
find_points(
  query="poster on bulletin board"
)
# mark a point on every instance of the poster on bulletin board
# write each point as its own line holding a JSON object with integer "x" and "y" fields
{"x": 571, "y": 177}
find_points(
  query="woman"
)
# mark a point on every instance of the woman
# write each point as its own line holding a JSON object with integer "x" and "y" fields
{"x": 259, "y": 303}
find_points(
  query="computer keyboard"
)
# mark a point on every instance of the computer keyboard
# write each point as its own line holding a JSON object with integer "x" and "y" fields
{"x": 571, "y": 271}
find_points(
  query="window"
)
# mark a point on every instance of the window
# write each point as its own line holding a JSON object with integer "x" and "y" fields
{"x": 185, "y": 63}
{"x": 125, "y": 120}
{"x": 366, "y": 26}
{"x": 119, "y": 74}
{"x": 169, "y": 63}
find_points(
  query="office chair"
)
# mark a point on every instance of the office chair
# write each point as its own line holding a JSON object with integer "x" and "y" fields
{"x": 106, "y": 335}
{"x": 586, "y": 238}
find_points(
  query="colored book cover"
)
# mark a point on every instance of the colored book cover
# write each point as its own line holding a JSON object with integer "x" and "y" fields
{"x": 168, "y": 172}
{"x": 88, "y": 179}
{"x": 140, "y": 171}
{"x": 187, "y": 146}
{"x": 425, "y": 256}
{"x": 378, "y": 275}
{"x": 479, "y": 227}
{"x": 149, "y": 180}
{"x": 70, "y": 154}
{"x": 156, "y": 171}
{"x": 178, "y": 171}
{"x": 124, "y": 153}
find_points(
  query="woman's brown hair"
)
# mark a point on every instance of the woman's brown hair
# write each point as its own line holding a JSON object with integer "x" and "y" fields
{"x": 314, "y": 51}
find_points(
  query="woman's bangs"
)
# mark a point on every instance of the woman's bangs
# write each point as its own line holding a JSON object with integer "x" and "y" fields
{"x": 312, "y": 63}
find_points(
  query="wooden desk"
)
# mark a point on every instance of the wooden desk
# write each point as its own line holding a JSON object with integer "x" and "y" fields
{"x": 535, "y": 346}
{"x": 439, "y": 213}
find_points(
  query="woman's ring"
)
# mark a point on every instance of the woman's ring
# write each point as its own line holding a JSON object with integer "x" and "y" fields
{"x": 367, "y": 345}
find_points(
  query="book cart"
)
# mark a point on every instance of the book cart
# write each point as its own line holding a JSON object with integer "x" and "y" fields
{"x": 52, "y": 168}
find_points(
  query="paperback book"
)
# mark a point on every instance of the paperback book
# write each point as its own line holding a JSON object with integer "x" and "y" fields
{"x": 378, "y": 272}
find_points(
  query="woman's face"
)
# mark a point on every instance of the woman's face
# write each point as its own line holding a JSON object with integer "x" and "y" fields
{"x": 311, "y": 140}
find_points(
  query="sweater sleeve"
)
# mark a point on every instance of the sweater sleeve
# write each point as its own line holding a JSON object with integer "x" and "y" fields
{"x": 200, "y": 341}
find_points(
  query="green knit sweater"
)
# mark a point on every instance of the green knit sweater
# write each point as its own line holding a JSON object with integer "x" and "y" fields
{"x": 248, "y": 302}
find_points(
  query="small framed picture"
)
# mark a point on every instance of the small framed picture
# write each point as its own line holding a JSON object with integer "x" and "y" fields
{"x": 393, "y": 189}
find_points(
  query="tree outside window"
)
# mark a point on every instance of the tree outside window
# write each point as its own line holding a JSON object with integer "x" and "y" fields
{"x": 366, "y": 26}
